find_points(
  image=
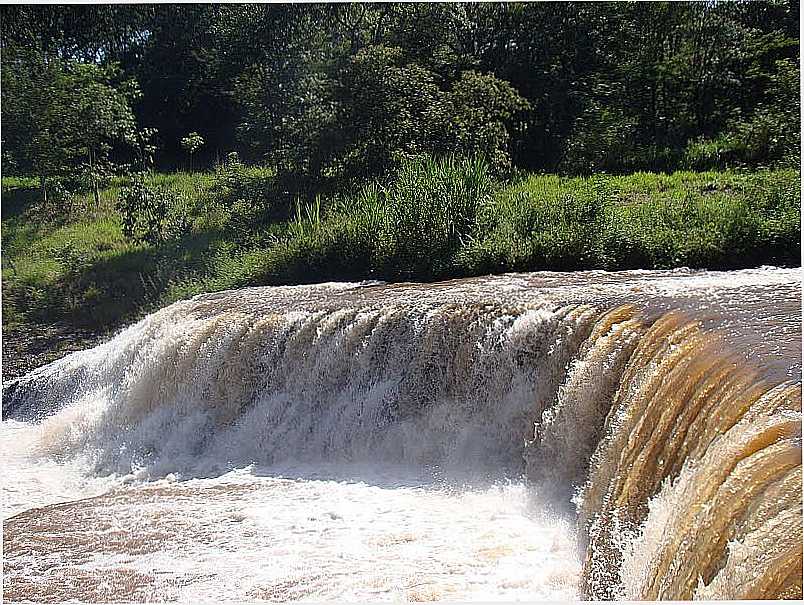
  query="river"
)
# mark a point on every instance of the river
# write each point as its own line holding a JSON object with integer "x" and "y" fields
{"x": 519, "y": 437}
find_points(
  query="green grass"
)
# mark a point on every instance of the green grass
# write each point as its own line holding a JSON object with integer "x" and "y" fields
{"x": 701, "y": 220}
{"x": 70, "y": 256}
{"x": 70, "y": 262}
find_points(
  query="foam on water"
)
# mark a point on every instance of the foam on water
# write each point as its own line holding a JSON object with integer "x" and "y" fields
{"x": 376, "y": 442}
{"x": 32, "y": 480}
{"x": 269, "y": 538}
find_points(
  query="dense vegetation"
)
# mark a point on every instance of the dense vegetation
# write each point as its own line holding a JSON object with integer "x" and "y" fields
{"x": 329, "y": 92}
{"x": 434, "y": 218}
{"x": 151, "y": 152}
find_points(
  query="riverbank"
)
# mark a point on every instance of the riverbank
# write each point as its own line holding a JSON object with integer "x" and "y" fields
{"x": 27, "y": 347}
{"x": 70, "y": 264}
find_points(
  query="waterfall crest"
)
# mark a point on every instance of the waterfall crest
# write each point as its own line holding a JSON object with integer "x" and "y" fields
{"x": 699, "y": 458}
{"x": 682, "y": 459}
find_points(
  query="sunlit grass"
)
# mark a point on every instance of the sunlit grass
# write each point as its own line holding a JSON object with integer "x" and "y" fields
{"x": 434, "y": 219}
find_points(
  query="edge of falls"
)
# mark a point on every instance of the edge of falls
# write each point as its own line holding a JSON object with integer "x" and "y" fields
{"x": 683, "y": 461}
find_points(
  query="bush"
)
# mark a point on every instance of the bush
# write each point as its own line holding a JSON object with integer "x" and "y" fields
{"x": 484, "y": 111}
{"x": 248, "y": 195}
{"x": 439, "y": 218}
{"x": 393, "y": 111}
{"x": 776, "y": 197}
{"x": 602, "y": 140}
{"x": 149, "y": 214}
{"x": 771, "y": 136}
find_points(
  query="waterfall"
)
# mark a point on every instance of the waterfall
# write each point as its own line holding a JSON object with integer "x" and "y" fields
{"x": 679, "y": 459}
{"x": 693, "y": 487}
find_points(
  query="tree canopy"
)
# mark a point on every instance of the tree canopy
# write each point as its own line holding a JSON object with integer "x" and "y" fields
{"x": 343, "y": 90}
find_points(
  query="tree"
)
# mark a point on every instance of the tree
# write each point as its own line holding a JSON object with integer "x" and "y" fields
{"x": 192, "y": 143}
{"x": 390, "y": 109}
{"x": 33, "y": 102}
{"x": 100, "y": 115}
{"x": 62, "y": 115}
{"x": 284, "y": 89}
{"x": 331, "y": 88}
{"x": 187, "y": 78}
{"x": 484, "y": 114}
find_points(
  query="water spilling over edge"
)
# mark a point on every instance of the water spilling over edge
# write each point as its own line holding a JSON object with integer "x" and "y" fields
{"x": 682, "y": 457}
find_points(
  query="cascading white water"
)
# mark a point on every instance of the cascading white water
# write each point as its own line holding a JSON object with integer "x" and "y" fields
{"x": 438, "y": 386}
{"x": 336, "y": 429}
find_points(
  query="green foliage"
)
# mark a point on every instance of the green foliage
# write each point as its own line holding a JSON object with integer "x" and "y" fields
{"x": 395, "y": 110}
{"x": 431, "y": 208}
{"x": 148, "y": 214}
{"x": 288, "y": 116}
{"x": 714, "y": 220}
{"x": 410, "y": 226}
{"x": 100, "y": 104}
{"x": 401, "y": 228}
{"x": 603, "y": 140}
{"x": 63, "y": 117}
{"x": 771, "y": 136}
{"x": 33, "y": 104}
{"x": 245, "y": 196}
{"x": 391, "y": 110}
{"x": 543, "y": 224}
{"x": 192, "y": 142}
{"x": 328, "y": 93}
{"x": 485, "y": 114}
{"x": 68, "y": 109}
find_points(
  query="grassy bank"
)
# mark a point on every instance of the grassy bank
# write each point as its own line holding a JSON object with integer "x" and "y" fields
{"x": 70, "y": 263}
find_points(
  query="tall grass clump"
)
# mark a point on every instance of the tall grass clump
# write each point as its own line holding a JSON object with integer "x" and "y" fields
{"x": 325, "y": 241}
{"x": 431, "y": 210}
{"x": 692, "y": 232}
{"x": 410, "y": 226}
{"x": 546, "y": 223}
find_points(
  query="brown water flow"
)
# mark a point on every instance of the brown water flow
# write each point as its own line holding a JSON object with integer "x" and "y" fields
{"x": 659, "y": 411}
{"x": 699, "y": 462}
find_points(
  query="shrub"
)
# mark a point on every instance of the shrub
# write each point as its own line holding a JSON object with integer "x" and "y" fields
{"x": 602, "y": 140}
{"x": 149, "y": 214}
{"x": 392, "y": 111}
{"x": 776, "y": 197}
{"x": 191, "y": 144}
{"x": 248, "y": 195}
{"x": 771, "y": 136}
{"x": 723, "y": 220}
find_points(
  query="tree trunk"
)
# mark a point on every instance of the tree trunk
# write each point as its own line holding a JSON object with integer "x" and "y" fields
{"x": 43, "y": 187}
{"x": 95, "y": 192}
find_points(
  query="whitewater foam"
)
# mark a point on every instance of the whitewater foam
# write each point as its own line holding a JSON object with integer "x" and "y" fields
{"x": 377, "y": 442}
